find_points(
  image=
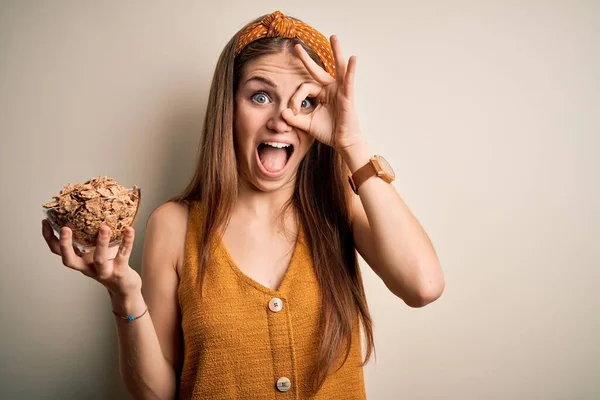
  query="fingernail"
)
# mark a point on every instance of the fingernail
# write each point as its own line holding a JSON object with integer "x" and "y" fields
{"x": 103, "y": 232}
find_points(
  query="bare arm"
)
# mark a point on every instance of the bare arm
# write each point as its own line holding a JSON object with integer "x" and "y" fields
{"x": 145, "y": 371}
{"x": 391, "y": 239}
{"x": 150, "y": 353}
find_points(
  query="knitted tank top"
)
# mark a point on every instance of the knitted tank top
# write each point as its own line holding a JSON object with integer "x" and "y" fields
{"x": 247, "y": 341}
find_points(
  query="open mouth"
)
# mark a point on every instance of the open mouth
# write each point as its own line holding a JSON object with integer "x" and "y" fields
{"x": 274, "y": 156}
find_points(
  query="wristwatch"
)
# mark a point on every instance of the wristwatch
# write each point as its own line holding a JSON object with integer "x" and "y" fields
{"x": 377, "y": 166}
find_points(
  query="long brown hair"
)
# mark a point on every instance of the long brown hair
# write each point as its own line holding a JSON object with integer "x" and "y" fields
{"x": 321, "y": 199}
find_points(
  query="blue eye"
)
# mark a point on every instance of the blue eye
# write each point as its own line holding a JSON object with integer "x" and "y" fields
{"x": 260, "y": 98}
{"x": 307, "y": 103}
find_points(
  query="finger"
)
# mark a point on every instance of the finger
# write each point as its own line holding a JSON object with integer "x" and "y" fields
{"x": 50, "y": 238}
{"x": 349, "y": 80}
{"x": 318, "y": 73}
{"x": 300, "y": 121}
{"x": 102, "y": 264}
{"x": 305, "y": 90}
{"x": 69, "y": 258}
{"x": 125, "y": 249}
{"x": 340, "y": 66}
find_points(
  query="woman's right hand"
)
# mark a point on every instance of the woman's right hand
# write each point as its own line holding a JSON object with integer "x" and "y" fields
{"x": 116, "y": 275}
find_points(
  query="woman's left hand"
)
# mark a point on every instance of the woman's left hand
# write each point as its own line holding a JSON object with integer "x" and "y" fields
{"x": 333, "y": 121}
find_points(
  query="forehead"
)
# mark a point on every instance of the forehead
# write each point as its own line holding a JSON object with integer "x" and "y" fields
{"x": 283, "y": 66}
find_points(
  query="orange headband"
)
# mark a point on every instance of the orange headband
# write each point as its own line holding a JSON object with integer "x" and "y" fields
{"x": 278, "y": 25}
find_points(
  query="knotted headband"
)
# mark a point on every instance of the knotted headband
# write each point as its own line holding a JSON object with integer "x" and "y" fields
{"x": 278, "y": 25}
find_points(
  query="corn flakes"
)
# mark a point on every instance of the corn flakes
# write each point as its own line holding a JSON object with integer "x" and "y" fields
{"x": 85, "y": 207}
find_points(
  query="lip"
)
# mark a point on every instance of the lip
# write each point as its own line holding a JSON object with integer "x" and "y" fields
{"x": 271, "y": 175}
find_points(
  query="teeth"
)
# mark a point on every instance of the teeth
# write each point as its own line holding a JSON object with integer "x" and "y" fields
{"x": 277, "y": 144}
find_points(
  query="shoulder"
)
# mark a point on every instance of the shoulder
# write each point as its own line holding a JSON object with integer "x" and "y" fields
{"x": 170, "y": 215}
{"x": 166, "y": 231}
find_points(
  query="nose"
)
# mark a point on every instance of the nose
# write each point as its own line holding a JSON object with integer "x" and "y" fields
{"x": 277, "y": 124}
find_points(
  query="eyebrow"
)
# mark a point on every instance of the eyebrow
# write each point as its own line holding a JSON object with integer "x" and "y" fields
{"x": 261, "y": 79}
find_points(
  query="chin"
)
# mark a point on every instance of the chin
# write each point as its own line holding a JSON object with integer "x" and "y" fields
{"x": 256, "y": 180}
{"x": 265, "y": 183}
{"x": 272, "y": 187}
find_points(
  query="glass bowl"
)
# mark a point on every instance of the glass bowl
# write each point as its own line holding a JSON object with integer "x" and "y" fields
{"x": 84, "y": 247}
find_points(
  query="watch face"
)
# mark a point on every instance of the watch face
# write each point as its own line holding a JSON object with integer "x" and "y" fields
{"x": 387, "y": 168}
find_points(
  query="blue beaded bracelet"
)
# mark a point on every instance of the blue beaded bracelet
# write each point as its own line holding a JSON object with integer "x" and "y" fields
{"x": 131, "y": 318}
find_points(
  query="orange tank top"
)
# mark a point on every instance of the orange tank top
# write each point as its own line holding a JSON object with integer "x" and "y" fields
{"x": 247, "y": 341}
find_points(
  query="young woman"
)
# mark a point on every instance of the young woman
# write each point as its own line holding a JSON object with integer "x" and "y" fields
{"x": 251, "y": 286}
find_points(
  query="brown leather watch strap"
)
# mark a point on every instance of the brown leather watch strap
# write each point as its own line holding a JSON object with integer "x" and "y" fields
{"x": 361, "y": 175}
